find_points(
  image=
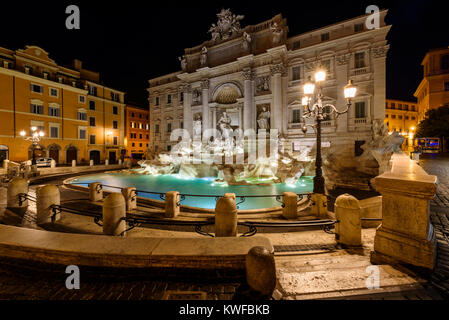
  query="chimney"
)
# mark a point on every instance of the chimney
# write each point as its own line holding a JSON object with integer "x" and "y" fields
{"x": 77, "y": 64}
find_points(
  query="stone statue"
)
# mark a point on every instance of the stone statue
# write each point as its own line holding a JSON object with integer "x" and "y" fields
{"x": 263, "y": 84}
{"x": 183, "y": 62}
{"x": 264, "y": 119}
{"x": 224, "y": 124}
{"x": 277, "y": 33}
{"x": 203, "y": 59}
{"x": 197, "y": 128}
{"x": 228, "y": 24}
{"x": 246, "y": 41}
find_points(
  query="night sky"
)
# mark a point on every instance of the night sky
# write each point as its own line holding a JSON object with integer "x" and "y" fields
{"x": 129, "y": 42}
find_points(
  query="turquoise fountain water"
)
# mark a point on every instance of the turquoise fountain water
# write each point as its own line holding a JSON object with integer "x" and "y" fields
{"x": 199, "y": 186}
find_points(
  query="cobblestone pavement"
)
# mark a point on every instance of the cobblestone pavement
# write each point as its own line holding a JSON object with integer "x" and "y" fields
{"x": 439, "y": 166}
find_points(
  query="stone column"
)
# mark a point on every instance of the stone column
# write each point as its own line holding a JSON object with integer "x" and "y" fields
{"x": 276, "y": 106}
{"x": 226, "y": 216}
{"x": 205, "y": 99}
{"x": 249, "y": 97}
{"x": 379, "y": 58}
{"x": 284, "y": 107}
{"x": 406, "y": 234}
{"x": 188, "y": 117}
{"x": 341, "y": 73}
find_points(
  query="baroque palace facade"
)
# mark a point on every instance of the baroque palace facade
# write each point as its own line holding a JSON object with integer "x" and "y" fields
{"x": 248, "y": 71}
{"x": 82, "y": 119}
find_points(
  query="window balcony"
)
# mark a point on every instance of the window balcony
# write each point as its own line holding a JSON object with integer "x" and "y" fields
{"x": 360, "y": 71}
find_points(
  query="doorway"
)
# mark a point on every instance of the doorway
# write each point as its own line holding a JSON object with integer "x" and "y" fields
{"x": 53, "y": 152}
{"x": 95, "y": 156}
{"x": 4, "y": 154}
{"x": 112, "y": 157}
{"x": 72, "y": 154}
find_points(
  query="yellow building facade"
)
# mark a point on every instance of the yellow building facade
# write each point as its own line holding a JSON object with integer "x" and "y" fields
{"x": 82, "y": 119}
{"x": 402, "y": 116}
{"x": 433, "y": 91}
{"x": 137, "y": 132}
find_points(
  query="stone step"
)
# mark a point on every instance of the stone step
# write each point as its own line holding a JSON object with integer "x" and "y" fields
{"x": 339, "y": 283}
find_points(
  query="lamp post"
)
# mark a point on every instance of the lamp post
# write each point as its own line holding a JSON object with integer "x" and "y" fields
{"x": 35, "y": 138}
{"x": 314, "y": 108}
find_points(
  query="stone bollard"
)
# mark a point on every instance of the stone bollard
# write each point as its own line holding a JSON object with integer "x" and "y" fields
{"x": 114, "y": 210}
{"x": 106, "y": 162}
{"x": 261, "y": 271}
{"x": 226, "y": 216}
{"x": 171, "y": 204}
{"x": 120, "y": 162}
{"x": 53, "y": 164}
{"x": 95, "y": 191}
{"x": 91, "y": 163}
{"x": 15, "y": 187}
{"x": 73, "y": 163}
{"x": 46, "y": 197}
{"x": 130, "y": 198}
{"x": 5, "y": 164}
{"x": 319, "y": 207}
{"x": 290, "y": 201}
{"x": 348, "y": 231}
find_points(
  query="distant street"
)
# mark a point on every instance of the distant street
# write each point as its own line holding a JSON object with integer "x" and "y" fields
{"x": 437, "y": 165}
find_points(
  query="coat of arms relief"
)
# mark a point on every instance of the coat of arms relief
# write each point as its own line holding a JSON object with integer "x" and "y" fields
{"x": 228, "y": 24}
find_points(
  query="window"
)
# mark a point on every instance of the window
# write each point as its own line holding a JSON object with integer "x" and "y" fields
{"x": 140, "y": 116}
{"x": 386, "y": 105}
{"x": 446, "y": 86}
{"x": 114, "y": 110}
{"x": 132, "y": 114}
{"x": 92, "y": 121}
{"x": 114, "y": 124}
{"x": 358, "y": 148}
{"x": 156, "y": 128}
{"x": 168, "y": 127}
{"x": 399, "y": 106}
{"x": 54, "y": 92}
{"x": 133, "y": 144}
{"x": 327, "y": 65}
{"x": 91, "y": 105}
{"x": 296, "y": 116}
{"x": 147, "y": 127}
{"x": 140, "y": 126}
{"x": 115, "y": 141}
{"x": 386, "y": 116}
{"x": 82, "y": 115}
{"x": 181, "y": 98}
{"x": 92, "y": 90}
{"x": 140, "y": 136}
{"x": 148, "y": 136}
{"x": 168, "y": 148}
{"x": 296, "y": 73}
{"x": 92, "y": 139}
{"x": 393, "y": 105}
{"x": 114, "y": 96}
{"x": 81, "y": 99}
{"x": 53, "y": 112}
{"x": 413, "y": 108}
{"x": 400, "y": 117}
{"x": 37, "y": 88}
{"x": 445, "y": 62}
{"x": 157, "y": 101}
{"x": 325, "y": 36}
{"x": 140, "y": 145}
{"x": 54, "y": 132}
{"x": 393, "y": 116}
{"x": 406, "y": 107}
{"x": 359, "y": 60}
{"x": 407, "y": 117}
{"x": 327, "y": 113}
{"x": 296, "y": 45}
{"x": 413, "y": 118}
{"x": 37, "y": 109}
{"x": 358, "y": 27}
{"x": 82, "y": 133}
{"x": 360, "y": 111}
{"x": 182, "y": 125}
{"x": 169, "y": 98}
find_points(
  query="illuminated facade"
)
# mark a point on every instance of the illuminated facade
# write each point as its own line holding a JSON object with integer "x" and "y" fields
{"x": 433, "y": 91}
{"x": 137, "y": 132}
{"x": 82, "y": 119}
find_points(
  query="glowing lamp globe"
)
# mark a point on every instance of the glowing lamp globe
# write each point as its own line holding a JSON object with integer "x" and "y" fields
{"x": 350, "y": 90}
{"x": 305, "y": 101}
{"x": 320, "y": 75}
{"x": 309, "y": 88}
{"x": 23, "y": 133}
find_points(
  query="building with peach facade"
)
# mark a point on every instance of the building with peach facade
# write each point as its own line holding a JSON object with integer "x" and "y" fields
{"x": 137, "y": 132}
{"x": 433, "y": 91}
{"x": 82, "y": 119}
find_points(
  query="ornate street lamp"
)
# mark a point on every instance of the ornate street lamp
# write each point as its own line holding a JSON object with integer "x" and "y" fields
{"x": 314, "y": 108}
{"x": 35, "y": 138}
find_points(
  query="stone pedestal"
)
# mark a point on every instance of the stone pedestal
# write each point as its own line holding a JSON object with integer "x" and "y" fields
{"x": 171, "y": 204}
{"x": 15, "y": 187}
{"x": 73, "y": 163}
{"x": 406, "y": 234}
{"x": 114, "y": 212}
{"x": 290, "y": 201}
{"x": 319, "y": 206}
{"x": 226, "y": 216}
{"x": 95, "y": 192}
{"x": 46, "y": 197}
{"x": 261, "y": 270}
{"x": 106, "y": 162}
{"x": 91, "y": 163}
{"x": 348, "y": 231}
{"x": 130, "y": 198}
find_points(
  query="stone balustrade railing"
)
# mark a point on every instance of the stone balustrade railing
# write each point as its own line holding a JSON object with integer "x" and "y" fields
{"x": 406, "y": 235}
